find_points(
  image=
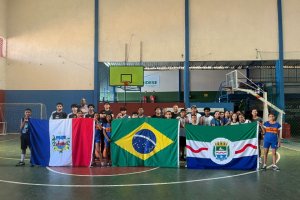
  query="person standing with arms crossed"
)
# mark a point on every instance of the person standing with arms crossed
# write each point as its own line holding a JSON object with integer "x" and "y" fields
{"x": 25, "y": 136}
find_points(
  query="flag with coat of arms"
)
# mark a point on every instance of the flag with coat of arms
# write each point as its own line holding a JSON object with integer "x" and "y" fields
{"x": 62, "y": 142}
{"x": 145, "y": 142}
{"x": 222, "y": 147}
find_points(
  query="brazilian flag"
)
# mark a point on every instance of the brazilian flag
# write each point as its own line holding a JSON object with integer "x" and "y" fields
{"x": 145, "y": 142}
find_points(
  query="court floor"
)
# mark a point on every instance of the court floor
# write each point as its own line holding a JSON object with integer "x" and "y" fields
{"x": 145, "y": 183}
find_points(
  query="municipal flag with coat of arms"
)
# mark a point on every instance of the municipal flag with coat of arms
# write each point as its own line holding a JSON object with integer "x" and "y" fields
{"x": 62, "y": 142}
{"x": 222, "y": 147}
{"x": 145, "y": 142}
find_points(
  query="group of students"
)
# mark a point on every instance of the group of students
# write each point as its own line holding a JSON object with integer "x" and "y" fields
{"x": 268, "y": 131}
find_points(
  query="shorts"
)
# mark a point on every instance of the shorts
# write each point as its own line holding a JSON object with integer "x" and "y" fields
{"x": 107, "y": 143}
{"x": 260, "y": 136}
{"x": 273, "y": 144}
{"x": 182, "y": 141}
{"x": 97, "y": 138}
{"x": 25, "y": 141}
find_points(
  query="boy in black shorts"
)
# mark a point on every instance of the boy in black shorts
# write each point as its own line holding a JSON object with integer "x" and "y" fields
{"x": 256, "y": 118}
{"x": 25, "y": 136}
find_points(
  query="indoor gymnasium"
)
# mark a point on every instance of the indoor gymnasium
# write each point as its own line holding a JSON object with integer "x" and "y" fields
{"x": 149, "y": 99}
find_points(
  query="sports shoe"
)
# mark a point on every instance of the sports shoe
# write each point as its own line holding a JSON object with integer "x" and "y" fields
{"x": 93, "y": 164}
{"x": 264, "y": 167}
{"x": 102, "y": 164}
{"x": 20, "y": 164}
{"x": 275, "y": 168}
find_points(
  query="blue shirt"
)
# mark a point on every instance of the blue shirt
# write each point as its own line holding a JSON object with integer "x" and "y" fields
{"x": 272, "y": 130}
{"x": 215, "y": 122}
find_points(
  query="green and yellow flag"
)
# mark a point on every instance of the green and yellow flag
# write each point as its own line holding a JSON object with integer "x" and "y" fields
{"x": 145, "y": 142}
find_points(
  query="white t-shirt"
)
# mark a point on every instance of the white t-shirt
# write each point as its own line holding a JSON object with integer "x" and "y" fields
{"x": 234, "y": 123}
{"x": 246, "y": 121}
{"x": 190, "y": 117}
{"x": 207, "y": 120}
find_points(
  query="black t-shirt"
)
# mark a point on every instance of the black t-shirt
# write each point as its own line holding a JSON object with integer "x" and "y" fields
{"x": 174, "y": 116}
{"x": 72, "y": 115}
{"x": 25, "y": 129}
{"x": 58, "y": 115}
{"x": 155, "y": 116}
{"x": 90, "y": 115}
{"x": 107, "y": 112}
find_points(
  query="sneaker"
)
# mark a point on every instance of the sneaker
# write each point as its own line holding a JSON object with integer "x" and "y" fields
{"x": 93, "y": 164}
{"x": 275, "y": 168}
{"x": 20, "y": 164}
{"x": 264, "y": 167}
{"x": 102, "y": 164}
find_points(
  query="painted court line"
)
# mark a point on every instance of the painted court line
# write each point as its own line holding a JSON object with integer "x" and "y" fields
{"x": 52, "y": 170}
{"x": 290, "y": 148}
{"x": 9, "y": 139}
{"x": 6, "y": 158}
{"x": 136, "y": 184}
{"x": 129, "y": 185}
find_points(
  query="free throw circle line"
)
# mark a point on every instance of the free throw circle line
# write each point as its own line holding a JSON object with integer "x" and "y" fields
{"x": 131, "y": 173}
{"x": 135, "y": 184}
{"x": 128, "y": 185}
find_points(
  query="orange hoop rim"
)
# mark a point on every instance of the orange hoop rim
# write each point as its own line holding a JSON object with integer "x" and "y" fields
{"x": 126, "y": 83}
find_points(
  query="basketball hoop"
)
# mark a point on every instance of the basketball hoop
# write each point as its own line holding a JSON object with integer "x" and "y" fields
{"x": 228, "y": 89}
{"x": 126, "y": 83}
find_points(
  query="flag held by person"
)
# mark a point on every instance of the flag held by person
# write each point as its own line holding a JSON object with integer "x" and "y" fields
{"x": 145, "y": 142}
{"x": 225, "y": 147}
{"x": 62, "y": 142}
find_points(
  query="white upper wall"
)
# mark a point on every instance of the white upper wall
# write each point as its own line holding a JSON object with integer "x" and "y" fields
{"x": 3, "y": 7}
{"x": 158, "y": 24}
{"x": 291, "y": 28}
{"x": 3, "y": 18}
{"x": 50, "y": 45}
{"x": 51, "y": 42}
{"x": 232, "y": 29}
{"x": 219, "y": 30}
